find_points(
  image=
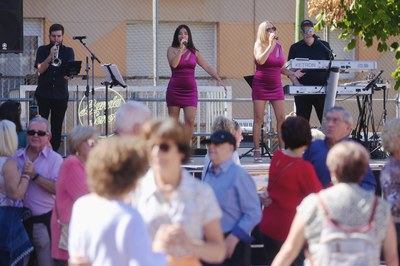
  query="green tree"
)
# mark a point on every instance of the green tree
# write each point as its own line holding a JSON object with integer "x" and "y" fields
{"x": 370, "y": 20}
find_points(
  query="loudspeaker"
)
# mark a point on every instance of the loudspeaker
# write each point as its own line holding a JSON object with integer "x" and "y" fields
{"x": 11, "y": 26}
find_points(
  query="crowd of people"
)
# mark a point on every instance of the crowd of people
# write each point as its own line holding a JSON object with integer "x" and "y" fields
{"x": 127, "y": 200}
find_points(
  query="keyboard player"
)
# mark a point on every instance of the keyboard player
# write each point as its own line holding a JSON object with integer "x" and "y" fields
{"x": 312, "y": 49}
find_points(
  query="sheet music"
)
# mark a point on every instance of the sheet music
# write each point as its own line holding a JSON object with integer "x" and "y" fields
{"x": 115, "y": 71}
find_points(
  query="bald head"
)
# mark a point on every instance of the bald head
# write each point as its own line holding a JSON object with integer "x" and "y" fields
{"x": 130, "y": 117}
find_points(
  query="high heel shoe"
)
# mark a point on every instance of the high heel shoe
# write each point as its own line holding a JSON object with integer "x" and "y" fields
{"x": 257, "y": 156}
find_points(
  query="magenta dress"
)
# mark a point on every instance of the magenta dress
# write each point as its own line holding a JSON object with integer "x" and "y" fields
{"x": 182, "y": 87}
{"x": 267, "y": 82}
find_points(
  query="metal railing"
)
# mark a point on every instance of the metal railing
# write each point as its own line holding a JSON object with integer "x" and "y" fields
{"x": 213, "y": 101}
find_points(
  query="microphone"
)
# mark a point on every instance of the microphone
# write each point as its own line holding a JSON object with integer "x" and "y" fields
{"x": 316, "y": 37}
{"x": 276, "y": 37}
{"x": 185, "y": 42}
{"x": 78, "y": 37}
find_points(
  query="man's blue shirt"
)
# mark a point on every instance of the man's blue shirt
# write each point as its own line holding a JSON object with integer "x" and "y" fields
{"x": 237, "y": 196}
{"x": 317, "y": 154}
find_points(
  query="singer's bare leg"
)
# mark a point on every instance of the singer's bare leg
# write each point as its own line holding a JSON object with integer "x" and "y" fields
{"x": 258, "y": 111}
{"x": 173, "y": 111}
{"x": 189, "y": 115}
{"x": 279, "y": 110}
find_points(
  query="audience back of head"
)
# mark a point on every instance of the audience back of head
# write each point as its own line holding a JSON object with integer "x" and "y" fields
{"x": 348, "y": 160}
{"x": 11, "y": 110}
{"x": 296, "y": 132}
{"x": 114, "y": 166}
{"x": 130, "y": 117}
{"x": 223, "y": 123}
{"x": 391, "y": 136}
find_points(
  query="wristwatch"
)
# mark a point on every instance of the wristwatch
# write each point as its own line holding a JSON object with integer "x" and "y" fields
{"x": 35, "y": 177}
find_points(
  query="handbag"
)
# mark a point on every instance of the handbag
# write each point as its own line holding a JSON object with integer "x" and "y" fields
{"x": 63, "y": 241}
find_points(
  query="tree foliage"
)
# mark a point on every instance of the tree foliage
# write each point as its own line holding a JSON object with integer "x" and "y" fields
{"x": 370, "y": 20}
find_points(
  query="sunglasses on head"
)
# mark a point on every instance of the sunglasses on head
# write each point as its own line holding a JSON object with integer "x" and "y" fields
{"x": 310, "y": 30}
{"x": 271, "y": 29}
{"x": 40, "y": 133}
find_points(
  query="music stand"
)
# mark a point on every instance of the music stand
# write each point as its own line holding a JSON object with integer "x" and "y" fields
{"x": 72, "y": 68}
{"x": 113, "y": 78}
{"x": 249, "y": 80}
{"x": 263, "y": 145}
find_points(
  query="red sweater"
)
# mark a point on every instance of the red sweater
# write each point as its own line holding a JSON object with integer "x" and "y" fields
{"x": 287, "y": 190}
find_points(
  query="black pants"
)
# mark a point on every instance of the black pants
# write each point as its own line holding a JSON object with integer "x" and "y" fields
{"x": 240, "y": 257}
{"x": 305, "y": 103}
{"x": 56, "y": 109}
{"x": 272, "y": 247}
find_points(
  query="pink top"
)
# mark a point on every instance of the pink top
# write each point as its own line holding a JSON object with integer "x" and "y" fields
{"x": 47, "y": 165}
{"x": 71, "y": 184}
{"x": 267, "y": 82}
{"x": 182, "y": 87}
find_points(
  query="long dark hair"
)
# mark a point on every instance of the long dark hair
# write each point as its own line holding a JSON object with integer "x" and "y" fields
{"x": 176, "y": 43}
{"x": 11, "y": 110}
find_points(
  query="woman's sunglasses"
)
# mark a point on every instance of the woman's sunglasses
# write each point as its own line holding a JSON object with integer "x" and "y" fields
{"x": 40, "y": 133}
{"x": 273, "y": 29}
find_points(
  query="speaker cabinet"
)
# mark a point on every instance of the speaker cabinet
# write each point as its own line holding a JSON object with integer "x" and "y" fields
{"x": 11, "y": 26}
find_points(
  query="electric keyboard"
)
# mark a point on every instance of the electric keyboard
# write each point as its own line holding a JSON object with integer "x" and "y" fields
{"x": 341, "y": 90}
{"x": 343, "y": 65}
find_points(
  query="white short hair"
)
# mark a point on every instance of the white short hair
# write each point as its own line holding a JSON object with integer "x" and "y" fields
{"x": 130, "y": 114}
{"x": 39, "y": 119}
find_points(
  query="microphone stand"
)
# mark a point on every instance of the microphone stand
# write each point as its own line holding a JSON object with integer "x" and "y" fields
{"x": 331, "y": 56}
{"x": 93, "y": 57}
{"x": 331, "y": 81}
{"x": 114, "y": 82}
{"x": 373, "y": 82}
{"x": 87, "y": 89}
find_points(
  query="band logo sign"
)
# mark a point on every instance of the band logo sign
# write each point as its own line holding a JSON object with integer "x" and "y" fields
{"x": 92, "y": 112}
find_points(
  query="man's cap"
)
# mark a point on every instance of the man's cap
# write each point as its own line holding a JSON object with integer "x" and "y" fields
{"x": 306, "y": 23}
{"x": 219, "y": 137}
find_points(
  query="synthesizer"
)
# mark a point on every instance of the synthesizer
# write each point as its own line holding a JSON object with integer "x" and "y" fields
{"x": 341, "y": 90}
{"x": 343, "y": 65}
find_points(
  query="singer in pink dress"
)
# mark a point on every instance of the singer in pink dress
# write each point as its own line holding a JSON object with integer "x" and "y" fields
{"x": 182, "y": 88}
{"x": 267, "y": 82}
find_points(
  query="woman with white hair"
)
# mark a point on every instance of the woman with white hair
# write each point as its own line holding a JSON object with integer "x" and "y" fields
{"x": 13, "y": 186}
{"x": 71, "y": 184}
